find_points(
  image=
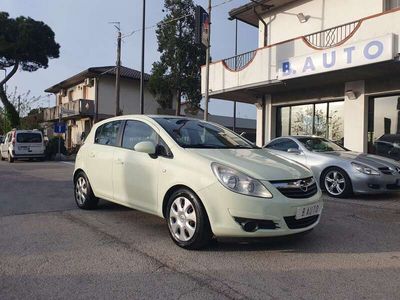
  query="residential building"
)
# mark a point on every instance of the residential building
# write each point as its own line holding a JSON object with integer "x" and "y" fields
{"x": 90, "y": 95}
{"x": 322, "y": 67}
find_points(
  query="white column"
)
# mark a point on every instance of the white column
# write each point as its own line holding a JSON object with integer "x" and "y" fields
{"x": 260, "y": 123}
{"x": 265, "y": 120}
{"x": 355, "y": 117}
{"x": 270, "y": 122}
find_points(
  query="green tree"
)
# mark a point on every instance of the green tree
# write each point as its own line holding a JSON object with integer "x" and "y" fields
{"x": 27, "y": 44}
{"x": 177, "y": 74}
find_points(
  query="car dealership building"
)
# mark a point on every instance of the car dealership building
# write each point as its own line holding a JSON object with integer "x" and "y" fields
{"x": 324, "y": 67}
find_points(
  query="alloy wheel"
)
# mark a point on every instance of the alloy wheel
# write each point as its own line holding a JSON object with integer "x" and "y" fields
{"x": 182, "y": 219}
{"x": 335, "y": 183}
{"x": 81, "y": 189}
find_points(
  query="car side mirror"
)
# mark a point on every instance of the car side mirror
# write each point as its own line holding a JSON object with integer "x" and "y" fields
{"x": 145, "y": 147}
{"x": 294, "y": 151}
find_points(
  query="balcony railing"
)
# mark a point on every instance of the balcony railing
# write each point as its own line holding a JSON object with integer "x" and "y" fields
{"x": 332, "y": 37}
{"x": 71, "y": 109}
{"x": 240, "y": 61}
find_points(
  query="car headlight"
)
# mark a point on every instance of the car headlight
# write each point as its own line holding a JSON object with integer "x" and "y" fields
{"x": 364, "y": 169}
{"x": 238, "y": 182}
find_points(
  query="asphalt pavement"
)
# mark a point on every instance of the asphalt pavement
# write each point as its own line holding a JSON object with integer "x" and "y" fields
{"x": 51, "y": 249}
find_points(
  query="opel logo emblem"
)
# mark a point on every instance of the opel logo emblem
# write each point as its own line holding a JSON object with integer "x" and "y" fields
{"x": 303, "y": 186}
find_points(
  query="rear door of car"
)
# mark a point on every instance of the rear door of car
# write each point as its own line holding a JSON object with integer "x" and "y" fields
{"x": 4, "y": 145}
{"x": 29, "y": 143}
{"x": 99, "y": 160}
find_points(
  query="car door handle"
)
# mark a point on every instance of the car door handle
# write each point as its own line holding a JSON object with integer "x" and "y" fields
{"x": 91, "y": 154}
{"x": 119, "y": 161}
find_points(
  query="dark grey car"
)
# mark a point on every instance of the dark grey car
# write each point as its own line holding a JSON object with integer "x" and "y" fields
{"x": 339, "y": 171}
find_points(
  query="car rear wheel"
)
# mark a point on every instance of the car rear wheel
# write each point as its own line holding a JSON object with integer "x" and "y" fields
{"x": 10, "y": 158}
{"x": 187, "y": 220}
{"x": 337, "y": 183}
{"x": 84, "y": 196}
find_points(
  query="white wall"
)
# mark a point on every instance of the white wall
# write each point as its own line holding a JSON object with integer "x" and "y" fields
{"x": 322, "y": 14}
{"x": 129, "y": 97}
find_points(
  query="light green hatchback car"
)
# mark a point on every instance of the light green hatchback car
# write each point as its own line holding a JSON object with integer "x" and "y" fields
{"x": 204, "y": 179}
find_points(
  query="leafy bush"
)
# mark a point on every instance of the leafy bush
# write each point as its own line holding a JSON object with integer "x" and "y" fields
{"x": 52, "y": 147}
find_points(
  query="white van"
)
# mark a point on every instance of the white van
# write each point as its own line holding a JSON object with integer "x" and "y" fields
{"x": 22, "y": 144}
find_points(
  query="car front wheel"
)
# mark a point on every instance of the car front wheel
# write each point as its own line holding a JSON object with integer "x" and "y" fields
{"x": 187, "y": 220}
{"x": 337, "y": 183}
{"x": 84, "y": 196}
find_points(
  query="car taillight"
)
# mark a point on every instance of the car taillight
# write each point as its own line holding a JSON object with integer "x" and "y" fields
{"x": 13, "y": 138}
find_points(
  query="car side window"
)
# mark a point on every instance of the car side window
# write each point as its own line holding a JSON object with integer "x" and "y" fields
{"x": 283, "y": 145}
{"x": 107, "y": 134}
{"x": 137, "y": 131}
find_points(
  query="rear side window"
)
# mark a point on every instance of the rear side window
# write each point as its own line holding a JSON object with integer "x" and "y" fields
{"x": 107, "y": 134}
{"x": 29, "y": 137}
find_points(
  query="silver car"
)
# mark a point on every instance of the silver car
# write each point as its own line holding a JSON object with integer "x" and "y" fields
{"x": 340, "y": 172}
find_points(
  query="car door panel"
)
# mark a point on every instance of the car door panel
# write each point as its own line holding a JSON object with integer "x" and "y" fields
{"x": 135, "y": 177}
{"x": 100, "y": 157}
{"x": 135, "y": 173}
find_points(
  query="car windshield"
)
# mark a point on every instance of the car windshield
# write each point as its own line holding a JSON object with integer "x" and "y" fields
{"x": 319, "y": 144}
{"x": 190, "y": 133}
{"x": 29, "y": 137}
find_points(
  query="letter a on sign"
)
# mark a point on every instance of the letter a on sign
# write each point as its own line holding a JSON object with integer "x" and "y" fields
{"x": 308, "y": 65}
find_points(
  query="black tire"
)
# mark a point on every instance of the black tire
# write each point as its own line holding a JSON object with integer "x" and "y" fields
{"x": 83, "y": 193}
{"x": 202, "y": 229}
{"x": 10, "y": 158}
{"x": 342, "y": 190}
{"x": 2, "y": 157}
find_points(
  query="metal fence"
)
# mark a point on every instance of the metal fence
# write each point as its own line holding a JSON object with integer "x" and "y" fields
{"x": 331, "y": 37}
{"x": 240, "y": 61}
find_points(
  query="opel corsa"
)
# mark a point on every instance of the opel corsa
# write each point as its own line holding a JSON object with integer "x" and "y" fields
{"x": 202, "y": 178}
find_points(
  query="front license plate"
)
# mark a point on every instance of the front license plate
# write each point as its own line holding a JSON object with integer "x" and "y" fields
{"x": 308, "y": 211}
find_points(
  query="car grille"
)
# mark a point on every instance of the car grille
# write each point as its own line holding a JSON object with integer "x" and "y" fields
{"x": 292, "y": 223}
{"x": 298, "y": 189}
{"x": 386, "y": 170}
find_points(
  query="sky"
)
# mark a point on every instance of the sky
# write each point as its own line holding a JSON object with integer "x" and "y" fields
{"x": 87, "y": 39}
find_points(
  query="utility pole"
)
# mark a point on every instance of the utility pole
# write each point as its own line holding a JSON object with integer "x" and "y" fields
{"x": 234, "y": 102}
{"x": 208, "y": 62}
{"x": 142, "y": 68}
{"x": 118, "y": 71}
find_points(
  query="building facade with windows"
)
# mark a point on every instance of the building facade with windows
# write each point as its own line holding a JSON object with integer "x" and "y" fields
{"x": 324, "y": 67}
{"x": 89, "y": 96}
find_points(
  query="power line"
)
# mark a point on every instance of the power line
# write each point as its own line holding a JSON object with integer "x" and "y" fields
{"x": 172, "y": 20}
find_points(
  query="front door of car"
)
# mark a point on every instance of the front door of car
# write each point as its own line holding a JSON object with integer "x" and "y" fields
{"x": 136, "y": 173}
{"x": 100, "y": 157}
{"x": 288, "y": 149}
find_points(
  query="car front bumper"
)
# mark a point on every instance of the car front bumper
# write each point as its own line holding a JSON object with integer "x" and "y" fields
{"x": 228, "y": 210}
{"x": 375, "y": 184}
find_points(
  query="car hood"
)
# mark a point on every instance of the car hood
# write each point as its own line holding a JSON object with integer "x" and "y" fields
{"x": 257, "y": 163}
{"x": 369, "y": 160}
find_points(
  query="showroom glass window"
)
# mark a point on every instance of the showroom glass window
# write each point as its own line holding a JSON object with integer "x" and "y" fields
{"x": 384, "y": 126}
{"x": 320, "y": 119}
{"x": 391, "y": 4}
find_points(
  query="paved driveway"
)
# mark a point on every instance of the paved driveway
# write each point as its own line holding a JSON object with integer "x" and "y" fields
{"x": 48, "y": 248}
